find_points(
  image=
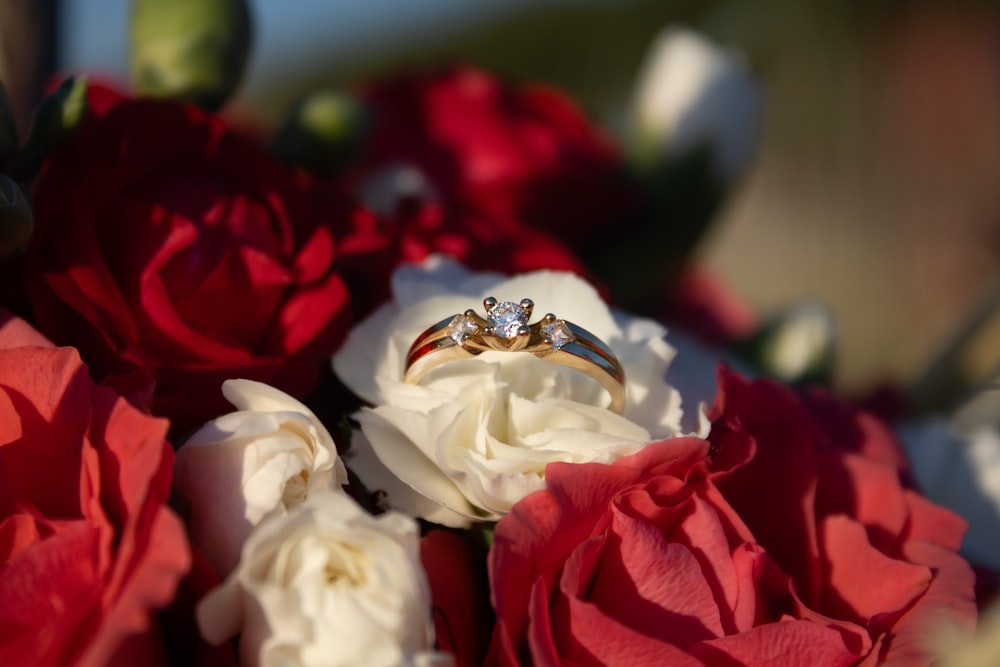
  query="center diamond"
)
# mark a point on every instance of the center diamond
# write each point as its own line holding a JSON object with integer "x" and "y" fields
{"x": 506, "y": 318}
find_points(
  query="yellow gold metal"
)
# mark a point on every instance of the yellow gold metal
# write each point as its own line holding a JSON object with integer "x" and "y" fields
{"x": 467, "y": 335}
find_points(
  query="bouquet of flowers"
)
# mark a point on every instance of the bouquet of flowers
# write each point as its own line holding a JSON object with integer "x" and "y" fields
{"x": 426, "y": 376}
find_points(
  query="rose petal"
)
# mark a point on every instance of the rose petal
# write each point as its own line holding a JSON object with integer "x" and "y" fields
{"x": 15, "y": 332}
{"x": 866, "y": 490}
{"x": 655, "y": 587}
{"x": 396, "y": 452}
{"x": 789, "y": 642}
{"x": 945, "y": 613}
{"x": 852, "y": 564}
{"x": 779, "y": 424}
{"x": 933, "y": 523}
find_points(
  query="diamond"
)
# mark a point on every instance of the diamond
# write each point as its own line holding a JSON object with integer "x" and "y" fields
{"x": 506, "y": 318}
{"x": 461, "y": 327}
{"x": 557, "y": 334}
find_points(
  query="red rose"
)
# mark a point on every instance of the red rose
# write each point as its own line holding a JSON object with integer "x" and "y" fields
{"x": 788, "y": 540}
{"x": 511, "y": 155}
{"x": 166, "y": 243}
{"x": 88, "y": 548}
{"x": 371, "y": 245}
{"x": 459, "y": 593}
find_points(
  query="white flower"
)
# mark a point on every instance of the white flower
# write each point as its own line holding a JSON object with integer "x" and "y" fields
{"x": 692, "y": 93}
{"x": 475, "y": 435}
{"x": 244, "y": 466}
{"x": 326, "y": 584}
{"x": 960, "y": 469}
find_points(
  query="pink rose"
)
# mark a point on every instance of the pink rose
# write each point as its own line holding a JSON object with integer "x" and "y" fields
{"x": 788, "y": 538}
{"x": 88, "y": 549}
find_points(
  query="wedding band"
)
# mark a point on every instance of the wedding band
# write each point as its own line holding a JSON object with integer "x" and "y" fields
{"x": 505, "y": 328}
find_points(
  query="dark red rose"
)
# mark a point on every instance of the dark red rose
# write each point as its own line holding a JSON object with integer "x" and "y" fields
{"x": 705, "y": 306}
{"x": 789, "y": 538}
{"x": 88, "y": 549}
{"x": 513, "y": 155}
{"x": 371, "y": 244}
{"x": 459, "y": 593}
{"x": 166, "y": 243}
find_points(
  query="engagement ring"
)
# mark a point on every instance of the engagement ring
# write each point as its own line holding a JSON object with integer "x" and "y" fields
{"x": 505, "y": 328}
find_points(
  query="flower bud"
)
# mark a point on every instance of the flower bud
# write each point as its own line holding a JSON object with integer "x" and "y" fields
{"x": 57, "y": 118}
{"x": 796, "y": 346}
{"x": 691, "y": 94}
{"x": 8, "y": 129}
{"x": 59, "y": 114}
{"x": 190, "y": 50}
{"x": 16, "y": 219}
{"x": 322, "y": 132}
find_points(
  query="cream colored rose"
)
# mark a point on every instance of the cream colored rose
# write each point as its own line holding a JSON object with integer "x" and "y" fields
{"x": 264, "y": 459}
{"x": 475, "y": 435}
{"x": 326, "y": 584}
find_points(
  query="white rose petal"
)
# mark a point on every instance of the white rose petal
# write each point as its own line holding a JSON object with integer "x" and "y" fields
{"x": 326, "y": 584}
{"x": 244, "y": 466}
{"x": 690, "y": 92}
{"x": 475, "y": 435}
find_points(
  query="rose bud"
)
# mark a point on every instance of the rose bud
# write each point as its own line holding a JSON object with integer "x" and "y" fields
{"x": 57, "y": 118}
{"x": 190, "y": 50}
{"x": 692, "y": 94}
{"x": 16, "y": 219}
{"x": 323, "y": 131}
{"x": 797, "y": 346}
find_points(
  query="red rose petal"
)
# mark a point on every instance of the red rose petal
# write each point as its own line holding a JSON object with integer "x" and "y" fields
{"x": 17, "y": 533}
{"x": 705, "y": 532}
{"x": 781, "y": 479}
{"x": 932, "y": 523}
{"x": 458, "y": 595}
{"x": 859, "y": 580}
{"x": 655, "y": 587}
{"x": 946, "y": 612}
{"x": 45, "y": 596}
{"x": 788, "y": 642}
{"x": 585, "y": 635}
{"x": 15, "y": 332}
{"x": 867, "y": 490}
{"x": 49, "y": 390}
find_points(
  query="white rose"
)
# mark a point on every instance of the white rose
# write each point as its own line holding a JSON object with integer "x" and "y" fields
{"x": 960, "y": 469}
{"x": 264, "y": 459}
{"x": 691, "y": 93}
{"x": 475, "y": 435}
{"x": 326, "y": 584}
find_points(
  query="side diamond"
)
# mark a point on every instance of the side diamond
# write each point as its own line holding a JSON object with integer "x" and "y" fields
{"x": 557, "y": 334}
{"x": 461, "y": 327}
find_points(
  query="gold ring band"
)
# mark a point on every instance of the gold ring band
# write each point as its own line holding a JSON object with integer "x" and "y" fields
{"x": 506, "y": 329}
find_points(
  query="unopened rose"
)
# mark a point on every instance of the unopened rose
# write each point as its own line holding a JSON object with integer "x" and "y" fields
{"x": 264, "y": 459}
{"x": 89, "y": 550}
{"x": 167, "y": 243}
{"x": 474, "y": 437}
{"x": 326, "y": 584}
{"x": 787, "y": 538}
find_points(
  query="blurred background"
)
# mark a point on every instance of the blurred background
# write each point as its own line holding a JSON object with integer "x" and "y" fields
{"x": 877, "y": 189}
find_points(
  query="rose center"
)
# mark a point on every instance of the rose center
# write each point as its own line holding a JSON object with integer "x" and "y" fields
{"x": 346, "y": 563}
